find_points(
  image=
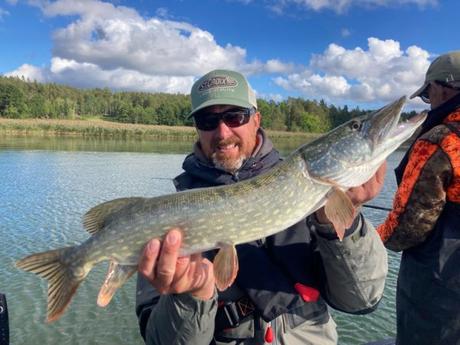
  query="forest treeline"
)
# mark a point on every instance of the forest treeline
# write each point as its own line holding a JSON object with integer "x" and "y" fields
{"x": 20, "y": 98}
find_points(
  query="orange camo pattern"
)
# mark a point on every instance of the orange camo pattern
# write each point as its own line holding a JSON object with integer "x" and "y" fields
{"x": 451, "y": 146}
{"x": 421, "y": 152}
{"x": 453, "y": 117}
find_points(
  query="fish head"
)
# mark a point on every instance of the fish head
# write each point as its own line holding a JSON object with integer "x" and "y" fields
{"x": 350, "y": 154}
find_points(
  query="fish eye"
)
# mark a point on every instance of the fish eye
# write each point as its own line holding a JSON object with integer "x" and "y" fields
{"x": 355, "y": 125}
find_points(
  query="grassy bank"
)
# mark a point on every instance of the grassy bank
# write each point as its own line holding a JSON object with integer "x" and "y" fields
{"x": 91, "y": 128}
{"x": 105, "y": 129}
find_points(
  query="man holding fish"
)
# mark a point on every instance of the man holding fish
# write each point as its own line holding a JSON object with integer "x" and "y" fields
{"x": 286, "y": 281}
{"x": 301, "y": 243}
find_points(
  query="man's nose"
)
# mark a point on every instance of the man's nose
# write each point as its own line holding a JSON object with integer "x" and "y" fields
{"x": 223, "y": 131}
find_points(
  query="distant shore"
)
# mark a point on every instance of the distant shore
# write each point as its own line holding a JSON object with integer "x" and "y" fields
{"x": 107, "y": 129}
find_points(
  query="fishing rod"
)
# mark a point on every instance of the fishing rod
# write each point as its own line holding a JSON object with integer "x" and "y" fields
{"x": 377, "y": 207}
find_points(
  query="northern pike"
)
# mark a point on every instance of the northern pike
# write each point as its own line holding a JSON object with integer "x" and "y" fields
{"x": 316, "y": 174}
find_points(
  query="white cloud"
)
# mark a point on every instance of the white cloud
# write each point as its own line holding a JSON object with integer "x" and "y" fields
{"x": 3, "y": 13}
{"x": 29, "y": 72}
{"x": 342, "y": 5}
{"x": 245, "y": 2}
{"x": 345, "y": 32}
{"x": 118, "y": 37}
{"x": 88, "y": 75}
{"x": 277, "y": 66}
{"x": 162, "y": 12}
{"x": 115, "y": 47}
{"x": 381, "y": 73}
{"x": 276, "y": 97}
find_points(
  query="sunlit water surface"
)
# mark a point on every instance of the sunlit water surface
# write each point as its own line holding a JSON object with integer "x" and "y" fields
{"x": 46, "y": 186}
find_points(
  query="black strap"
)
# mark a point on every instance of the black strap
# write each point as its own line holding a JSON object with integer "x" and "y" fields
{"x": 230, "y": 314}
{"x": 453, "y": 128}
{"x": 4, "y": 327}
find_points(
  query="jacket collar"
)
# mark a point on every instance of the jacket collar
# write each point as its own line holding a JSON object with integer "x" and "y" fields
{"x": 435, "y": 117}
{"x": 263, "y": 158}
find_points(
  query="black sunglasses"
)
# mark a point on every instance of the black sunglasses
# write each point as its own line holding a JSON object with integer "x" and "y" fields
{"x": 235, "y": 117}
{"x": 424, "y": 95}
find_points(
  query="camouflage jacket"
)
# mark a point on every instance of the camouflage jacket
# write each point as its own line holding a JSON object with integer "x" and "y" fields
{"x": 425, "y": 224}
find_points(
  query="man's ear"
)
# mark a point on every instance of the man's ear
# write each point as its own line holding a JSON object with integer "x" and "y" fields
{"x": 448, "y": 93}
{"x": 257, "y": 119}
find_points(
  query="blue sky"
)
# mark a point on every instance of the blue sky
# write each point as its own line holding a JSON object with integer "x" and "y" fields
{"x": 356, "y": 52}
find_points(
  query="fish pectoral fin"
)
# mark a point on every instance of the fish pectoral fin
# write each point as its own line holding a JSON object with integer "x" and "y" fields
{"x": 340, "y": 211}
{"x": 94, "y": 219}
{"x": 116, "y": 276}
{"x": 225, "y": 266}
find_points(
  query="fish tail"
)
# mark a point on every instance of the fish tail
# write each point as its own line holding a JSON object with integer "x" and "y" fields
{"x": 63, "y": 278}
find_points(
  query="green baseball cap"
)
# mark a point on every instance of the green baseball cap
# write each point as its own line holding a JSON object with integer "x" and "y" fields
{"x": 445, "y": 68}
{"x": 222, "y": 87}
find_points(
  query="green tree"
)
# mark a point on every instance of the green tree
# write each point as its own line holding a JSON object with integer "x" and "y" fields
{"x": 12, "y": 101}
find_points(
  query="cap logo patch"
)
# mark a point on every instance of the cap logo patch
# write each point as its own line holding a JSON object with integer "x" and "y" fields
{"x": 217, "y": 82}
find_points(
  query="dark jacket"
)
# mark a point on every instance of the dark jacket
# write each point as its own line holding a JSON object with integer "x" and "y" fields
{"x": 425, "y": 224}
{"x": 291, "y": 274}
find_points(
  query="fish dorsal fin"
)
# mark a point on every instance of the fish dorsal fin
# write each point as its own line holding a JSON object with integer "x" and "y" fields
{"x": 225, "y": 266}
{"x": 339, "y": 210}
{"x": 94, "y": 219}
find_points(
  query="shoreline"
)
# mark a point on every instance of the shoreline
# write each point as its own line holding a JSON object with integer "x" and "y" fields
{"x": 99, "y": 128}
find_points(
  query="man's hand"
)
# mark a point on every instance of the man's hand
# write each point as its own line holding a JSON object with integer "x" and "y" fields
{"x": 170, "y": 274}
{"x": 362, "y": 194}
{"x": 369, "y": 190}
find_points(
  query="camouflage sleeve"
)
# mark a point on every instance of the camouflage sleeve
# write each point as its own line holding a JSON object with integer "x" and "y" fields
{"x": 174, "y": 319}
{"x": 354, "y": 269}
{"x": 420, "y": 197}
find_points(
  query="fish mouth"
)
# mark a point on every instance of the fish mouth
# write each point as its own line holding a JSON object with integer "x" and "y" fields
{"x": 384, "y": 121}
{"x": 386, "y": 126}
{"x": 408, "y": 124}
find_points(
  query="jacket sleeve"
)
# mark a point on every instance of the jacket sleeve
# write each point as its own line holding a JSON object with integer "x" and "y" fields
{"x": 354, "y": 269}
{"x": 173, "y": 319}
{"x": 420, "y": 197}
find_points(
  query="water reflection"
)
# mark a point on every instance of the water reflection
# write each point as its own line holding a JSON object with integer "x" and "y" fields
{"x": 49, "y": 183}
{"x": 56, "y": 143}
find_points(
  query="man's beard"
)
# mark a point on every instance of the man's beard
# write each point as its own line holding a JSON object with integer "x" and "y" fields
{"x": 228, "y": 164}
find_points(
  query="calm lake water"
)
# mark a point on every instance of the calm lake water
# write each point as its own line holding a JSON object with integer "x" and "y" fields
{"x": 47, "y": 185}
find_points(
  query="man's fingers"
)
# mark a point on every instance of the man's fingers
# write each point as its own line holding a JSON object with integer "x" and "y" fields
{"x": 148, "y": 259}
{"x": 380, "y": 174}
{"x": 369, "y": 190}
{"x": 182, "y": 266}
{"x": 196, "y": 269}
{"x": 375, "y": 184}
{"x": 203, "y": 280}
{"x": 169, "y": 273}
{"x": 166, "y": 266}
{"x": 183, "y": 282}
{"x": 185, "y": 269}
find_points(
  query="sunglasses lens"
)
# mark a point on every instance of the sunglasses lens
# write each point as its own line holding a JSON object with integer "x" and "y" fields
{"x": 207, "y": 122}
{"x": 425, "y": 95}
{"x": 425, "y": 99}
{"x": 235, "y": 119}
{"x": 232, "y": 118}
